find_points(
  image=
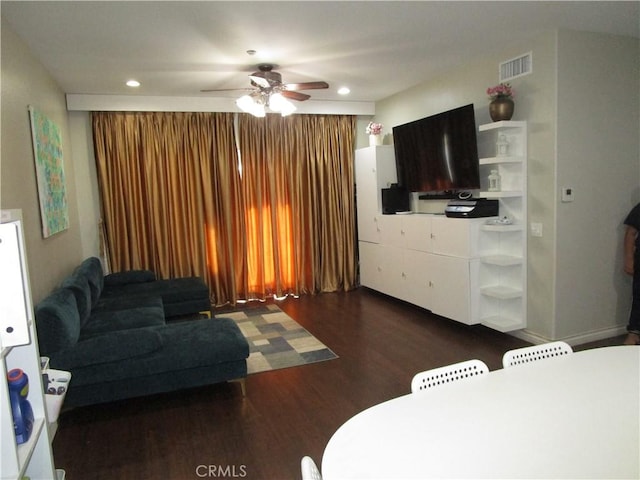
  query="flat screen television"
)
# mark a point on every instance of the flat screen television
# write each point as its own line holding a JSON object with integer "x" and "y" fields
{"x": 438, "y": 154}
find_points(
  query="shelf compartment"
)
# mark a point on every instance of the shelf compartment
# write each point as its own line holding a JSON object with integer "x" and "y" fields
{"x": 502, "y": 324}
{"x": 498, "y": 160}
{"x": 503, "y": 194}
{"x": 501, "y": 292}
{"x": 25, "y": 450}
{"x": 502, "y": 260}
{"x": 502, "y": 124}
{"x": 514, "y": 227}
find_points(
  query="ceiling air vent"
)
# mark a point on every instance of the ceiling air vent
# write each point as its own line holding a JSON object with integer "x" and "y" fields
{"x": 516, "y": 67}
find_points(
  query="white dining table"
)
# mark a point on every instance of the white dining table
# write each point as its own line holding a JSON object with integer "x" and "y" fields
{"x": 575, "y": 416}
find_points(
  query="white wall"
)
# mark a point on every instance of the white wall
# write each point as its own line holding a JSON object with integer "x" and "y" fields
{"x": 86, "y": 178}
{"x": 26, "y": 82}
{"x": 558, "y": 301}
{"x": 599, "y": 157}
{"x": 535, "y": 103}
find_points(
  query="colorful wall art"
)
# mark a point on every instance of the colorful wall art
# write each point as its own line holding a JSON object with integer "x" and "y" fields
{"x": 47, "y": 151}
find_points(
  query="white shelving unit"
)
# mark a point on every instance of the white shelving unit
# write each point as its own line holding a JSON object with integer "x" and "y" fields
{"x": 375, "y": 169}
{"x": 421, "y": 258}
{"x": 424, "y": 259}
{"x": 19, "y": 347}
{"x": 503, "y": 247}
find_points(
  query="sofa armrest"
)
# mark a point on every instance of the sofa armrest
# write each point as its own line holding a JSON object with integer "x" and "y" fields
{"x": 111, "y": 347}
{"x": 129, "y": 276}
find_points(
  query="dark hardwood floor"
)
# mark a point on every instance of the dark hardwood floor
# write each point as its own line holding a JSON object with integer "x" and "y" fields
{"x": 214, "y": 432}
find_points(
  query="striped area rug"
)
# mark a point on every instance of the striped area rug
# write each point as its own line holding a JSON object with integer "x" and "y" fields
{"x": 276, "y": 340}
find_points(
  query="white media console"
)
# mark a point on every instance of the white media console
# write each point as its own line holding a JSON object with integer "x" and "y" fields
{"x": 467, "y": 269}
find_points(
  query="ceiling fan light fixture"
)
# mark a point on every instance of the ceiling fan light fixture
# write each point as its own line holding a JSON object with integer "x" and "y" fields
{"x": 268, "y": 91}
{"x": 256, "y": 105}
{"x": 258, "y": 110}
{"x": 245, "y": 103}
{"x": 281, "y": 105}
{"x": 248, "y": 104}
{"x": 288, "y": 109}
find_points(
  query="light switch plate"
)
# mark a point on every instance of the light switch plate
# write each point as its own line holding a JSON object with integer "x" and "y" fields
{"x": 567, "y": 194}
{"x": 536, "y": 229}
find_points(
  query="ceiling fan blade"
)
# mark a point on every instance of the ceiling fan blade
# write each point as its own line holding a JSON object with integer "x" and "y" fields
{"x": 306, "y": 86}
{"x": 260, "y": 81}
{"x": 295, "y": 95}
{"x": 227, "y": 89}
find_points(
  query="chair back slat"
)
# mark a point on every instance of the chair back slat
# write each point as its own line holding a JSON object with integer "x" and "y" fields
{"x": 535, "y": 353}
{"x": 438, "y": 377}
{"x": 309, "y": 469}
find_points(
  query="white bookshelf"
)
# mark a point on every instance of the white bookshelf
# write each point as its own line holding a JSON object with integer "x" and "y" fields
{"x": 503, "y": 270}
{"x": 19, "y": 349}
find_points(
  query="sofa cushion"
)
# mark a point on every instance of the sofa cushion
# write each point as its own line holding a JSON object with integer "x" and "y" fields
{"x": 79, "y": 286}
{"x": 180, "y": 296}
{"x": 125, "y": 302}
{"x": 203, "y": 342}
{"x": 57, "y": 321}
{"x": 171, "y": 290}
{"x": 148, "y": 313}
{"x": 91, "y": 268}
{"x": 185, "y": 346}
{"x": 110, "y": 348}
{"x": 127, "y": 277}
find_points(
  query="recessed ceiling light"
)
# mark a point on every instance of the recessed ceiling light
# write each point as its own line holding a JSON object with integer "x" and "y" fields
{"x": 344, "y": 91}
{"x": 133, "y": 83}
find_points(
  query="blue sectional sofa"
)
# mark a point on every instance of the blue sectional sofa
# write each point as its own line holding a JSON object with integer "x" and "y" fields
{"x": 119, "y": 336}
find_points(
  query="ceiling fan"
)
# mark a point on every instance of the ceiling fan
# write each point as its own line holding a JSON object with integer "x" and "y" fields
{"x": 269, "y": 91}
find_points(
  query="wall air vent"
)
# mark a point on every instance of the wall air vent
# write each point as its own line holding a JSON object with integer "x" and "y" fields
{"x": 516, "y": 67}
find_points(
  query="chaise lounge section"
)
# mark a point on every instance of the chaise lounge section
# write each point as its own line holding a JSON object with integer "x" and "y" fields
{"x": 180, "y": 296}
{"x": 120, "y": 343}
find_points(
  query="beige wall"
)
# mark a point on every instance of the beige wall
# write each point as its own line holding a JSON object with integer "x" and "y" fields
{"x": 26, "y": 82}
{"x": 575, "y": 288}
{"x": 86, "y": 179}
{"x": 598, "y": 156}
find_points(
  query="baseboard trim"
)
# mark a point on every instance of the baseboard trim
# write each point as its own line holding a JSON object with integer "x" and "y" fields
{"x": 574, "y": 340}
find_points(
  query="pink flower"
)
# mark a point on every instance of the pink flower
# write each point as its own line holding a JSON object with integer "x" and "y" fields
{"x": 501, "y": 90}
{"x": 374, "y": 128}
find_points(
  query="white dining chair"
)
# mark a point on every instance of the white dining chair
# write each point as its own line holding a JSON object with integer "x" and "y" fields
{"x": 520, "y": 356}
{"x": 438, "y": 377}
{"x": 309, "y": 469}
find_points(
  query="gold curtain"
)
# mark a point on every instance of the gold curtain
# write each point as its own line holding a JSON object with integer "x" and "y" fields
{"x": 297, "y": 176}
{"x": 177, "y": 200}
{"x": 165, "y": 180}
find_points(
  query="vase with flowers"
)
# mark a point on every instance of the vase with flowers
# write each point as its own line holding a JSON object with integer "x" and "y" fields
{"x": 374, "y": 130}
{"x": 501, "y": 106}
